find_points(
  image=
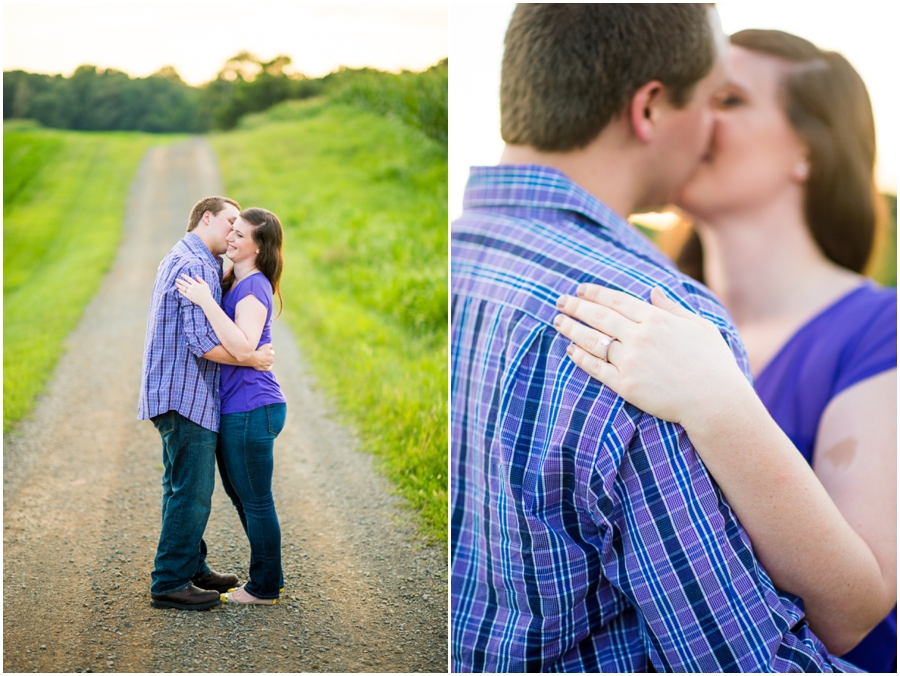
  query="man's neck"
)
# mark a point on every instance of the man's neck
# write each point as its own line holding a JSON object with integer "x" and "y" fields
{"x": 203, "y": 237}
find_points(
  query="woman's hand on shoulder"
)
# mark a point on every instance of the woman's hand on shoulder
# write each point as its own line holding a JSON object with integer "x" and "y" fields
{"x": 195, "y": 290}
{"x": 662, "y": 358}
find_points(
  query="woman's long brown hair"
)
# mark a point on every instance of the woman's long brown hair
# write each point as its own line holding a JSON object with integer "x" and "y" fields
{"x": 268, "y": 235}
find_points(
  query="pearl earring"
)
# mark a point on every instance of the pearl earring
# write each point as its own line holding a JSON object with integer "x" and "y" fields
{"x": 801, "y": 171}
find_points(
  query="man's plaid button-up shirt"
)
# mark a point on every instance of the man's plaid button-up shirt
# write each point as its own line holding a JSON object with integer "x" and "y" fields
{"x": 586, "y": 535}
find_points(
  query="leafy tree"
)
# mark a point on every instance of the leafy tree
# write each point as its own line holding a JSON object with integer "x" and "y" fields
{"x": 94, "y": 99}
{"x": 248, "y": 85}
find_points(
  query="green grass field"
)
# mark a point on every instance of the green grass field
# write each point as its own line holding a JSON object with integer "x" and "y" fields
{"x": 363, "y": 199}
{"x": 64, "y": 197}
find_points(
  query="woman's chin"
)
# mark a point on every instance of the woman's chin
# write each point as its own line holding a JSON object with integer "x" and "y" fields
{"x": 691, "y": 199}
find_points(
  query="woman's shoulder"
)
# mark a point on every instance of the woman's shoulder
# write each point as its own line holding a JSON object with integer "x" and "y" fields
{"x": 867, "y": 322}
{"x": 256, "y": 284}
{"x": 871, "y": 307}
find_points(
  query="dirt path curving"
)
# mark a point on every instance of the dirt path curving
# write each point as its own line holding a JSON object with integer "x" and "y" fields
{"x": 81, "y": 491}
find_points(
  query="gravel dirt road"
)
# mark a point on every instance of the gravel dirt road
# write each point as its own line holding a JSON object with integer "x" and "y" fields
{"x": 81, "y": 480}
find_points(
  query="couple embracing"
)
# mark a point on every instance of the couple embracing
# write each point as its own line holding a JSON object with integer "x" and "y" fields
{"x": 207, "y": 387}
{"x": 631, "y": 489}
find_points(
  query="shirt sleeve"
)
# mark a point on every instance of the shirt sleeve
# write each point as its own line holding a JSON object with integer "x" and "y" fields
{"x": 257, "y": 286}
{"x": 198, "y": 333}
{"x": 686, "y": 564}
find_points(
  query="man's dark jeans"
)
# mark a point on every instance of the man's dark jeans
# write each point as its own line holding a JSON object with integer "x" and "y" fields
{"x": 246, "y": 462}
{"x": 189, "y": 476}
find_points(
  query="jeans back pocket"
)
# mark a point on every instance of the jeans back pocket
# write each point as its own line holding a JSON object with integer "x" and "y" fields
{"x": 277, "y": 414}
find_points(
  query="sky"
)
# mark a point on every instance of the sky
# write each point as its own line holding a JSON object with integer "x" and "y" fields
{"x": 864, "y": 31}
{"x": 197, "y": 38}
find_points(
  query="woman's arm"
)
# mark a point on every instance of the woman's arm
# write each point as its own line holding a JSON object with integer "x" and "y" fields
{"x": 261, "y": 360}
{"x": 676, "y": 366}
{"x": 241, "y": 336}
{"x": 855, "y": 458}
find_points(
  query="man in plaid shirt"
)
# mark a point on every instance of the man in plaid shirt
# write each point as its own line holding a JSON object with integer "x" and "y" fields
{"x": 180, "y": 394}
{"x": 585, "y": 534}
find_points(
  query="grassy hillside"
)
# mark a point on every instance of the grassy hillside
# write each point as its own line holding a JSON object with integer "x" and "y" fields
{"x": 363, "y": 199}
{"x": 64, "y": 199}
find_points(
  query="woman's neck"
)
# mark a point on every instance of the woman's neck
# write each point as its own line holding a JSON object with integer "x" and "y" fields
{"x": 244, "y": 269}
{"x": 764, "y": 264}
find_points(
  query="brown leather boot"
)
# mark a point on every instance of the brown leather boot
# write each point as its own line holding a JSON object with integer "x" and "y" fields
{"x": 189, "y": 598}
{"x": 220, "y": 582}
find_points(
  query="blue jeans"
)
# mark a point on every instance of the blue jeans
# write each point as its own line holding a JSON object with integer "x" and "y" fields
{"x": 188, "y": 481}
{"x": 245, "y": 456}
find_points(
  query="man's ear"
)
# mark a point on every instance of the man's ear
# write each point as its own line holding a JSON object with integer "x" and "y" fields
{"x": 644, "y": 110}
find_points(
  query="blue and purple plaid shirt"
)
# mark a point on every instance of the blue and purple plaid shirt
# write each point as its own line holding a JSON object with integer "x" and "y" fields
{"x": 176, "y": 377}
{"x": 585, "y": 534}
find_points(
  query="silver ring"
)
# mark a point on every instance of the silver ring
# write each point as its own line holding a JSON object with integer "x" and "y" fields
{"x": 605, "y": 343}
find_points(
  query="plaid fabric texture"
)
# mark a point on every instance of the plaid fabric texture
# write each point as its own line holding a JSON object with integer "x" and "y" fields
{"x": 585, "y": 534}
{"x": 176, "y": 377}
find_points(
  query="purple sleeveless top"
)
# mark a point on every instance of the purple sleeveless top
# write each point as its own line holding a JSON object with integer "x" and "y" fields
{"x": 851, "y": 340}
{"x": 242, "y": 388}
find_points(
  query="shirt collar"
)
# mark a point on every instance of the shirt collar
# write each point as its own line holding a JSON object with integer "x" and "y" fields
{"x": 535, "y": 185}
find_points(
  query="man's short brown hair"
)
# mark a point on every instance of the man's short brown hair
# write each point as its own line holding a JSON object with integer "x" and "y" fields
{"x": 568, "y": 69}
{"x": 211, "y": 204}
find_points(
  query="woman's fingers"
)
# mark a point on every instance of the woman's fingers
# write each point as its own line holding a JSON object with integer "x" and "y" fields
{"x": 594, "y": 342}
{"x": 608, "y": 320}
{"x": 595, "y": 367}
{"x": 659, "y": 299}
{"x": 626, "y": 305}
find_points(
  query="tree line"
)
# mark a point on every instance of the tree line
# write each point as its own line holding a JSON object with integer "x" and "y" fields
{"x": 92, "y": 99}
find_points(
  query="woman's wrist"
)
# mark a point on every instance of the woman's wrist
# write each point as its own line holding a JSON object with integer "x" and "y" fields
{"x": 206, "y": 302}
{"x": 724, "y": 411}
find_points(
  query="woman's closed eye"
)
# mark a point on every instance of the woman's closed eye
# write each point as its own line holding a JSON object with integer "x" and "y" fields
{"x": 729, "y": 100}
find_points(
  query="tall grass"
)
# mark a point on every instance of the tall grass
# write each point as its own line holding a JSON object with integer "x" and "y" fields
{"x": 64, "y": 199}
{"x": 363, "y": 199}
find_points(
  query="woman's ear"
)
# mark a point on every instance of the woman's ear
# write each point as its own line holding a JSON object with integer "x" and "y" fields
{"x": 644, "y": 110}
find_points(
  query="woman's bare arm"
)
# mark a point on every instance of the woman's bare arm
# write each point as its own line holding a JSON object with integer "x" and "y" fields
{"x": 677, "y": 367}
{"x": 804, "y": 541}
{"x": 856, "y": 460}
{"x": 241, "y": 336}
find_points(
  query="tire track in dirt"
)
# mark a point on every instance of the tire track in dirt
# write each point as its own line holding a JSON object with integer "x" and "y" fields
{"x": 81, "y": 506}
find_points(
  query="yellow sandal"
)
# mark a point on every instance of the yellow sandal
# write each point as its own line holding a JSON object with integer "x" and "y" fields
{"x": 228, "y": 597}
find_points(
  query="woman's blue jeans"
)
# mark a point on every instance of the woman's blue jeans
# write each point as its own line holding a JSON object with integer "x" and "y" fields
{"x": 246, "y": 462}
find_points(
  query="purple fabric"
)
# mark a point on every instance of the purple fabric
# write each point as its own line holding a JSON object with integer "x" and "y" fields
{"x": 176, "y": 377}
{"x": 243, "y": 388}
{"x": 853, "y": 339}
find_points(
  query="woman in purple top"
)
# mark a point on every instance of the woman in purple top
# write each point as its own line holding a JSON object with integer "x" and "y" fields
{"x": 786, "y": 213}
{"x": 253, "y": 406}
